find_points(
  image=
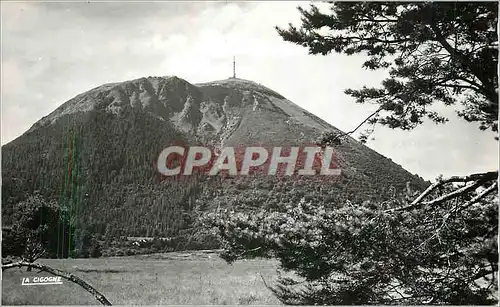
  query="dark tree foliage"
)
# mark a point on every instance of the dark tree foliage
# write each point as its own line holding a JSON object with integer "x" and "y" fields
{"x": 81, "y": 243}
{"x": 435, "y": 52}
{"x": 44, "y": 229}
{"x": 36, "y": 230}
{"x": 113, "y": 183}
{"x": 370, "y": 253}
{"x": 95, "y": 248}
{"x": 12, "y": 243}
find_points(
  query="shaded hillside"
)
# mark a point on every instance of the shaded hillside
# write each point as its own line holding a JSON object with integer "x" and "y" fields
{"x": 96, "y": 154}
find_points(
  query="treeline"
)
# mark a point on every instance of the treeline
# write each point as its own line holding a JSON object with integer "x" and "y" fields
{"x": 101, "y": 167}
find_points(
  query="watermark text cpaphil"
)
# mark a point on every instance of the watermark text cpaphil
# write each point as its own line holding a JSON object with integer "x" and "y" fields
{"x": 242, "y": 161}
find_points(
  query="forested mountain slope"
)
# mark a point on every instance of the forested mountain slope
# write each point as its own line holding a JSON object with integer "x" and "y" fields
{"x": 96, "y": 154}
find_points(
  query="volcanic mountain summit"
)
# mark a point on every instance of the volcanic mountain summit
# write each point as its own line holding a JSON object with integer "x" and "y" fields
{"x": 96, "y": 153}
{"x": 228, "y": 111}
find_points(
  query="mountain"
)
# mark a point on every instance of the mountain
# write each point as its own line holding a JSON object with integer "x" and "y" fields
{"x": 96, "y": 154}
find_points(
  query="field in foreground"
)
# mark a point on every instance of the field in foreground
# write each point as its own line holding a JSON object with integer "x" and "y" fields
{"x": 159, "y": 279}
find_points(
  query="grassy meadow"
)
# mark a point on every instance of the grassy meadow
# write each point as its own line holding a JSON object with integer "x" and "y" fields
{"x": 173, "y": 279}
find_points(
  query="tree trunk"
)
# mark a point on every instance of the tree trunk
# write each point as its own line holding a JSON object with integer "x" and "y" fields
{"x": 101, "y": 298}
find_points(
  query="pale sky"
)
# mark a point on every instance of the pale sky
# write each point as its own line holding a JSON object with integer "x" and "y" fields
{"x": 53, "y": 51}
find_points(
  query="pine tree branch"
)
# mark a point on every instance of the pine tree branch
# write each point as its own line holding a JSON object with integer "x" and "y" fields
{"x": 455, "y": 193}
{"x": 341, "y": 135}
{"x": 101, "y": 298}
{"x": 479, "y": 178}
{"x": 480, "y": 196}
{"x": 364, "y": 121}
{"x": 474, "y": 200}
{"x": 466, "y": 62}
{"x": 366, "y": 39}
{"x": 482, "y": 274}
{"x": 470, "y": 87}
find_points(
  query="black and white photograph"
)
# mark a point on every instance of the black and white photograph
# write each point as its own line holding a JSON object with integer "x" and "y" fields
{"x": 249, "y": 153}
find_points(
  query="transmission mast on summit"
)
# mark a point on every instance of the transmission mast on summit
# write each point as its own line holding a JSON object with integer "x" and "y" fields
{"x": 234, "y": 67}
